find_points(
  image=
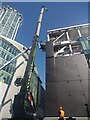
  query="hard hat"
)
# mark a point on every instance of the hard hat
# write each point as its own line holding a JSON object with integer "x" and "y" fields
{"x": 60, "y": 107}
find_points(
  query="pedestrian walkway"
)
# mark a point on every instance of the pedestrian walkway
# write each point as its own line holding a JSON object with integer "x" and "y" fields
{"x": 56, "y": 118}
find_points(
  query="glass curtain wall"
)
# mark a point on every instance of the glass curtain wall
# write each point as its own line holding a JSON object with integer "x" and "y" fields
{"x": 10, "y": 21}
{"x": 7, "y": 52}
{"x": 34, "y": 86}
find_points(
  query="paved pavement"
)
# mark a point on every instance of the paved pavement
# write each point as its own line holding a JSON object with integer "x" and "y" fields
{"x": 56, "y": 118}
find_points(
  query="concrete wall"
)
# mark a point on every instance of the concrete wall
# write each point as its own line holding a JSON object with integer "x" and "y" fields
{"x": 66, "y": 83}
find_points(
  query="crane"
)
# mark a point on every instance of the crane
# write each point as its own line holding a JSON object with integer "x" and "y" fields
{"x": 19, "y": 109}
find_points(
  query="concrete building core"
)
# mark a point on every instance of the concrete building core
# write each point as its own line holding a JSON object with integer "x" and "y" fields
{"x": 67, "y": 70}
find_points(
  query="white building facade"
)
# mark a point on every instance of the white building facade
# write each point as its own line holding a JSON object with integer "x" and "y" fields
{"x": 9, "y": 75}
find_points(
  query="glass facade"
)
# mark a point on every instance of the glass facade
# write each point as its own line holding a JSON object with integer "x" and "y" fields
{"x": 34, "y": 86}
{"x": 85, "y": 44}
{"x": 10, "y": 21}
{"x": 7, "y": 52}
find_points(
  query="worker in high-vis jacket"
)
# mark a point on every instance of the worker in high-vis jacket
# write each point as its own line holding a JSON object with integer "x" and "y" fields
{"x": 61, "y": 113}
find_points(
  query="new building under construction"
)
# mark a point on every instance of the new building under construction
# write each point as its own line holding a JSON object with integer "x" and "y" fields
{"x": 67, "y": 70}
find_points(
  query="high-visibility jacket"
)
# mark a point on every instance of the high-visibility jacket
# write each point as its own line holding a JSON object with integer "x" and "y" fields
{"x": 61, "y": 114}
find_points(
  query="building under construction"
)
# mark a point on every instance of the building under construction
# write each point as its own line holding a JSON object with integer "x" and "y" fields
{"x": 67, "y": 70}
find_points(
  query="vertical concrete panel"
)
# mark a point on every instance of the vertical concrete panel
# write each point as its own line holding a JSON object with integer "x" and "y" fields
{"x": 66, "y": 82}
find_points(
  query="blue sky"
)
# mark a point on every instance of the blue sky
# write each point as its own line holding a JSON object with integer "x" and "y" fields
{"x": 60, "y": 14}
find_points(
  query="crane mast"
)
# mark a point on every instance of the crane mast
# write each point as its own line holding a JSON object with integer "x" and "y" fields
{"x": 32, "y": 54}
{"x": 25, "y": 87}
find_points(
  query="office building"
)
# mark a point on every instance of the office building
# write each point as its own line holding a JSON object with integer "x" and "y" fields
{"x": 15, "y": 70}
{"x": 10, "y": 20}
{"x": 7, "y": 52}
